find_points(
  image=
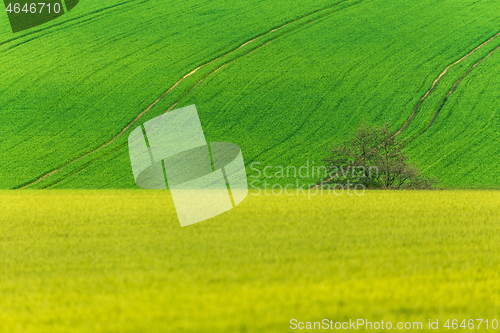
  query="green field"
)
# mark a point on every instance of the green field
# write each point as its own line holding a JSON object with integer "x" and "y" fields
{"x": 117, "y": 261}
{"x": 316, "y": 70}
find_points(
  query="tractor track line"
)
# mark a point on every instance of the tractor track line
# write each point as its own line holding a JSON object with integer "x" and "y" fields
{"x": 197, "y": 84}
{"x": 123, "y": 145}
{"x": 179, "y": 82}
{"x": 456, "y": 85}
{"x": 108, "y": 153}
{"x": 429, "y": 92}
{"x": 203, "y": 79}
{"x": 415, "y": 110}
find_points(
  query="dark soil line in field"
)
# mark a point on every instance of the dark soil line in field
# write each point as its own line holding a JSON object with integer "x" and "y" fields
{"x": 430, "y": 91}
{"x": 456, "y": 85}
{"x": 179, "y": 82}
{"x": 257, "y": 48}
{"x": 86, "y": 164}
{"x": 415, "y": 110}
{"x": 198, "y": 83}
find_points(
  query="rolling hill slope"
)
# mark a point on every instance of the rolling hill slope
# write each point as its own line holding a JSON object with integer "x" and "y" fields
{"x": 310, "y": 74}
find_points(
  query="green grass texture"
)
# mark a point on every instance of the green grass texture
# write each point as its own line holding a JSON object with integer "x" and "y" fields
{"x": 118, "y": 261}
{"x": 316, "y": 70}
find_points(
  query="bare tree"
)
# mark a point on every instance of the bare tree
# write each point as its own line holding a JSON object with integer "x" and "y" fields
{"x": 375, "y": 158}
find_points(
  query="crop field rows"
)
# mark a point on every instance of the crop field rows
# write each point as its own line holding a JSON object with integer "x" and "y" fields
{"x": 335, "y": 75}
{"x": 214, "y": 66}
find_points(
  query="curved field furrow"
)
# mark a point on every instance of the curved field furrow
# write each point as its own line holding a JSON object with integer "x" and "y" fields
{"x": 458, "y": 82}
{"x": 74, "y": 90}
{"x": 415, "y": 110}
{"x": 242, "y": 107}
{"x": 139, "y": 116}
{"x": 462, "y": 146}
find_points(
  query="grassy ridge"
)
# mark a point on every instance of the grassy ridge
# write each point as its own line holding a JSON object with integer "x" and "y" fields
{"x": 118, "y": 261}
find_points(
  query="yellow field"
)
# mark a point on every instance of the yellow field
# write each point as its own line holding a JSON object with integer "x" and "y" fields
{"x": 118, "y": 261}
